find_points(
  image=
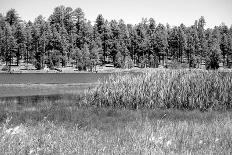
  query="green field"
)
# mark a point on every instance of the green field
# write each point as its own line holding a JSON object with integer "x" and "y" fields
{"x": 157, "y": 112}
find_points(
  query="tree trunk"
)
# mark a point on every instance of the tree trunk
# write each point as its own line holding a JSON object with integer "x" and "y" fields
{"x": 10, "y": 62}
{"x": 76, "y": 63}
{"x": 18, "y": 56}
{"x": 27, "y": 56}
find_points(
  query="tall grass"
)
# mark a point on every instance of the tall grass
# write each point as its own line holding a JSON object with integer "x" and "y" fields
{"x": 178, "y": 89}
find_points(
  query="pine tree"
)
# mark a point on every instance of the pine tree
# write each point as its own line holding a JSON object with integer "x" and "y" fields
{"x": 114, "y": 40}
{"x": 118, "y": 60}
{"x": 8, "y": 44}
{"x": 190, "y": 49}
{"x": 103, "y": 32}
{"x": 35, "y": 46}
{"x": 12, "y": 17}
{"x": 58, "y": 16}
{"x": 224, "y": 41}
{"x": 79, "y": 21}
{"x": 161, "y": 40}
{"x": 229, "y": 54}
{"x": 41, "y": 27}
{"x": 173, "y": 42}
{"x": 94, "y": 57}
{"x": 64, "y": 45}
{"x": 68, "y": 20}
{"x": 196, "y": 43}
{"x": 28, "y": 43}
{"x": 201, "y": 36}
{"x": 213, "y": 60}
{"x": 20, "y": 37}
{"x": 151, "y": 40}
{"x": 214, "y": 53}
{"x": 86, "y": 57}
{"x": 182, "y": 42}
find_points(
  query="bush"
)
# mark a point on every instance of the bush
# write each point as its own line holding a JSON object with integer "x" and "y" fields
{"x": 38, "y": 65}
{"x": 193, "y": 62}
{"x": 176, "y": 65}
{"x": 128, "y": 62}
{"x": 213, "y": 60}
{"x": 118, "y": 60}
{"x": 153, "y": 61}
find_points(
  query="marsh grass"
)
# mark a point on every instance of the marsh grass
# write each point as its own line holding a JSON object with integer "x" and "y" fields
{"x": 177, "y": 89}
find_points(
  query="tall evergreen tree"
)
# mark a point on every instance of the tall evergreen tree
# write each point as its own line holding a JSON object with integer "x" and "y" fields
{"x": 8, "y": 44}
{"x": 28, "y": 43}
{"x": 12, "y": 17}
{"x": 20, "y": 37}
{"x": 161, "y": 40}
{"x": 201, "y": 36}
{"x": 182, "y": 42}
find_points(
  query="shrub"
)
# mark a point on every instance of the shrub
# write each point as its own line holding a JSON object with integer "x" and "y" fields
{"x": 128, "y": 62}
{"x": 213, "y": 60}
{"x": 38, "y": 65}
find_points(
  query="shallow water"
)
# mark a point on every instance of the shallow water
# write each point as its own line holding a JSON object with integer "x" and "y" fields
{"x": 20, "y": 99}
{"x": 35, "y": 88}
{"x": 22, "y": 103}
{"x": 51, "y": 78}
{"x": 11, "y": 90}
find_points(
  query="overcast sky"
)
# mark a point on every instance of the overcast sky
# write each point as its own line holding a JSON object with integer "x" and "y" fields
{"x": 173, "y": 12}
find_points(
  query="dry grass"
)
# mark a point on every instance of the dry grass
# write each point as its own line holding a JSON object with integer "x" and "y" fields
{"x": 121, "y": 132}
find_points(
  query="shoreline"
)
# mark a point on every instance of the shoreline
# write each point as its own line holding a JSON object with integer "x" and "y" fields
{"x": 19, "y": 90}
{"x": 99, "y": 69}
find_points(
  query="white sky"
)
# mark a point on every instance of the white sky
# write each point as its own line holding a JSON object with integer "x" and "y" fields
{"x": 173, "y": 12}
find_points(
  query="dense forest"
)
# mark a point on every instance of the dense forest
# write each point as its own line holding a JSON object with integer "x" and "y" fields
{"x": 68, "y": 38}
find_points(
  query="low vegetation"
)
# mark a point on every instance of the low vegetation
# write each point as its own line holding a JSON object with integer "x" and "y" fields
{"x": 112, "y": 131}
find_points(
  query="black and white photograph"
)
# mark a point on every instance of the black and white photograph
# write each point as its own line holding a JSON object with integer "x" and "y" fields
{"x": 115, "y": 77}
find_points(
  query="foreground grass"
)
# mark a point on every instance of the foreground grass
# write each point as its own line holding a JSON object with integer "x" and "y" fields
{"x": 110, "y": 131}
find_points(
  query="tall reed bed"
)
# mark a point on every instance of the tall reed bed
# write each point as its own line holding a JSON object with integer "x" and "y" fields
{"x": 178, "y": 89}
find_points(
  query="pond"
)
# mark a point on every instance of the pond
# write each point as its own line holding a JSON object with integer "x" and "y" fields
{"x": 33, "y": 88}
{"x": 51, "y": 78}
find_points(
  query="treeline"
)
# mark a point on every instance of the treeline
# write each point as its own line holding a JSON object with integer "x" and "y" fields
{"x": 66, "y": 37}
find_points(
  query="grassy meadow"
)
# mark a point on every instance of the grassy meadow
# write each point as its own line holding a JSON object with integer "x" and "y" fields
{"x": 155, "y": 112}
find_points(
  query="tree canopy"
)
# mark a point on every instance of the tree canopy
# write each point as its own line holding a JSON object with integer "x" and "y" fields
{"x": 67, "y": 37}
